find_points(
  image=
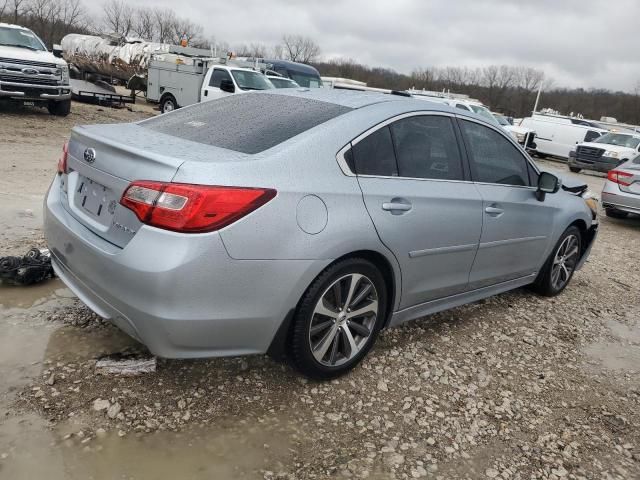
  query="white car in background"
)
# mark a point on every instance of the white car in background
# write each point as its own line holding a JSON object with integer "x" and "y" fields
{"x": 523, "y": 135}
{"x": 282, "y": 82}
{"x": 605, "y": 153}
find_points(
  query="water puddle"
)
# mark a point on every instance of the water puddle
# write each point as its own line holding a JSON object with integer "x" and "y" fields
{"x": 27, "y": 296}
{"x": 623, "y": 353}
{"x": 29, "y": 450}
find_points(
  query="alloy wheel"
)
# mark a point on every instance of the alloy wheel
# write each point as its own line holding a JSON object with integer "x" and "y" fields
{"x": 343, "y": 319}
{"x": 565, "y": 261}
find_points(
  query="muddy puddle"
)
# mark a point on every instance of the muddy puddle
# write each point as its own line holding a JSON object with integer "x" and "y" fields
{"x": 621, "y": 352}
{"x": 28, "y": 450}
{"x": 31, "y": 448}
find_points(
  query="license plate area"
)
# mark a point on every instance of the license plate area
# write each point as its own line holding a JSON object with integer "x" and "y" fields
{"x": 95, "y": 200}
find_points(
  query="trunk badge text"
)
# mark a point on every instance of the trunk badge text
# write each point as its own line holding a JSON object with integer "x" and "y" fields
{"x": 89, "y": 155}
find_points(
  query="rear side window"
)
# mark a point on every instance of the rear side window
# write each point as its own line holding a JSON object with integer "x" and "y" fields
{"x": 426, "y": 147}
{"x": 591, "y": 136}
{"x": 218, "y": 76}
{"x": 248, "y": 123}
{"x": 374, "y": 155}
{"x": 493, "y": 158}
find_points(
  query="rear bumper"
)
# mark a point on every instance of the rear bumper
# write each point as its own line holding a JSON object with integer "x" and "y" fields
{"x": 180, "y": 295}
{"x": 603, "y": 164}
{"x": 613, "y": 197}
{"x": 26, "y": 91}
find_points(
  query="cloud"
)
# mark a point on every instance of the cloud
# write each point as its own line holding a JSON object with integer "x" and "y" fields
{"x": 579, "y": 43}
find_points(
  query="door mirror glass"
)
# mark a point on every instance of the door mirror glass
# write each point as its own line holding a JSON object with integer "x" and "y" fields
{"x": 227, "y": 86}
{"x": 548, "y": 183}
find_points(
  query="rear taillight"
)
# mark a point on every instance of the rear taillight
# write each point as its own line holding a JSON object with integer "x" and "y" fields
{"x": 616, "y": 176}
{"x": 192, "y": 208}
{"x": 62, "y": 161}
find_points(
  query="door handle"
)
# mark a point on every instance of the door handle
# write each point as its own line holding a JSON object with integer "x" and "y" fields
{"x": 397, "y": 206}
{"x": 494, "y": 210}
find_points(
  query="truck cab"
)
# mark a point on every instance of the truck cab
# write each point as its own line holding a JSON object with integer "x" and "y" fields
{"x": 223, "y": 80}
{"x": 31, "y": 74}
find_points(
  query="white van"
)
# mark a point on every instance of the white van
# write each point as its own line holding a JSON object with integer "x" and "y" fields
{"x": 558, "y": 135}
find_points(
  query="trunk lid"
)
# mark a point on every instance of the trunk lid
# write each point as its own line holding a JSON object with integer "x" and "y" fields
{"x": 634, "y": 180}
{"x": 102, "y": 162}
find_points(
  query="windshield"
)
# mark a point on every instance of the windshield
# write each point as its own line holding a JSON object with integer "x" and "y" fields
{"x": 279, "y": 82}
{"x": 248, "y": 80}
{"x": 304, "y": 80}
{"x": 15, "y": 37}
{"x": 619, "y": 139}
{"x": 483, "y": 112}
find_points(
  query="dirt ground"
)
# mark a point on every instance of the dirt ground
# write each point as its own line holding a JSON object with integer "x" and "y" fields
{"x": 514, "y": 387}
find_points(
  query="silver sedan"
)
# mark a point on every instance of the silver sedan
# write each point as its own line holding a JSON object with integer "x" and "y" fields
{"x": 303, "y": 222}
{"x": 621, "y": 191}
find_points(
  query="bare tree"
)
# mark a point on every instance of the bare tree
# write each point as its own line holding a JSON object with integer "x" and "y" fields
{"x": 118, "y": 17}
{"x": 164, "y": 19}
{"x": 256, "y": 50}
{"x": 300, "y": 49}
{"x": 144, "y": 24}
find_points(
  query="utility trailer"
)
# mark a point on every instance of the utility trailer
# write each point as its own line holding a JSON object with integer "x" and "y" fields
{"x": 177, "y": 79}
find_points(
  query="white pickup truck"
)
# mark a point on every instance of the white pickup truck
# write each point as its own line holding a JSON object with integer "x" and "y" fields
{"x": 30, "y": 74}
{"x": 176, "y": 80}
{"x": 605, "y": 153}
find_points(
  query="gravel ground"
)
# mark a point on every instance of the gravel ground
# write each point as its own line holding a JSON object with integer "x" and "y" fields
{"x": 515, "y": 386}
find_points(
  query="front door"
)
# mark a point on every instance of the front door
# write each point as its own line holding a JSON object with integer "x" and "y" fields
{"x": 516, "y": 227}
{"x": 211, "y": 89}
{"x": 412, "y": 178}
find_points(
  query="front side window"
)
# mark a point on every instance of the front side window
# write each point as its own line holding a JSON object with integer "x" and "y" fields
{"x": 250, "y": 80}
{"x": 462, "y": 107}
{"x": 590, "y": 136}
{"x": 493, "y": 158}
{"x": 426, "y": 147}
{"x": 218, "y": 76}
{"x": 374, "y": 155}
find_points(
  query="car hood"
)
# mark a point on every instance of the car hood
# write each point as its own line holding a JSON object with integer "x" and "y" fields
{"x": 518, "y": 130}
{"x": 16, "y": 53}
{"x": 606, "y": 146}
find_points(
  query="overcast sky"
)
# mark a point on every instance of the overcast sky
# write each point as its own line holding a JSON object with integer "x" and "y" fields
{"x": 578, "y": 43}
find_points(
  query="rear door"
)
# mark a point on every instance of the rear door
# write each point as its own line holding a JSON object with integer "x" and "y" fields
{"x": 412, "y": 177}
{"x": 516, "y": 226}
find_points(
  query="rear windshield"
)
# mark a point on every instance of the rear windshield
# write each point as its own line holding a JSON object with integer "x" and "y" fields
{"x": 248, "y": 122}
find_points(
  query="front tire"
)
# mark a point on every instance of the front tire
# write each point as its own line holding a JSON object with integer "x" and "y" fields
{"x": 338, "y": 319}
{"x": 561, "y": 264}
{"x": 60, "y": 109}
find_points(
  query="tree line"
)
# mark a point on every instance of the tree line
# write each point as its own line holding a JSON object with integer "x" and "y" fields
{"x": 508, "y": 89}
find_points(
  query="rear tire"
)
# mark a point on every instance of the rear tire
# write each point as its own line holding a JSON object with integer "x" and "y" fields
{"x": 613, "y": 213}
{"x": 168, "y": 104}
{"x": 59, "y": 109}
{"x": 559, "y": 268}
{"x": 575, "y": 169}
{"x": 338, "y": 319}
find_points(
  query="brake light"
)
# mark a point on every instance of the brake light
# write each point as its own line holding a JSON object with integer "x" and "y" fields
{"x": 616, "y": 176}
{"x": 62, "y": 161}
{"x": 192, "y": 208}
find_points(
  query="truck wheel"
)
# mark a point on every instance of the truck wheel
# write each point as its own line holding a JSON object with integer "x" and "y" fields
{"x": 168, "y": 104}
{"x": 60, "y": 109}
{"x": 575, "y": 169}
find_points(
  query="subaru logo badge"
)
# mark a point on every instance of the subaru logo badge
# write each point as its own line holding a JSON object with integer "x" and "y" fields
{"x": 29, "y": 71}
{"x": 89, "y": 155}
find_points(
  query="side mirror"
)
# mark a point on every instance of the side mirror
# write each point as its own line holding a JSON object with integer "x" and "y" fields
{"x": 227, "y": 86}
{"x": 57, "y": 51}
{"x": 547, "y": 183}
